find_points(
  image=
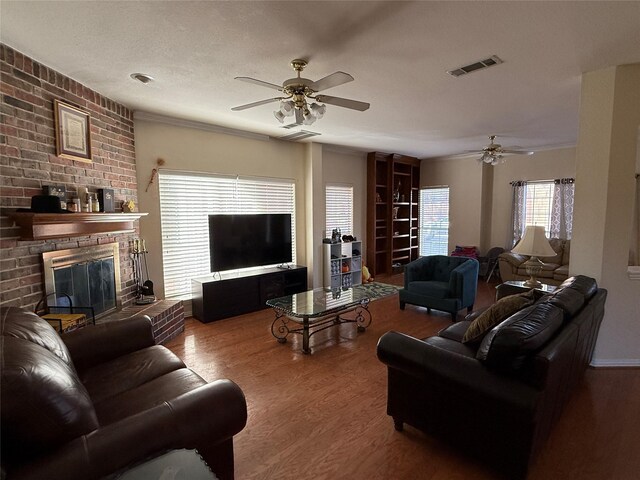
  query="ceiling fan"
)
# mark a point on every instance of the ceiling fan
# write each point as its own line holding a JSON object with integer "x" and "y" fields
{"x": 494, "y": 154}
{"x": 298, "y": 92}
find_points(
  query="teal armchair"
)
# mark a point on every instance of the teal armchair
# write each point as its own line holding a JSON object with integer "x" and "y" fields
{"x": 440, "y": 282}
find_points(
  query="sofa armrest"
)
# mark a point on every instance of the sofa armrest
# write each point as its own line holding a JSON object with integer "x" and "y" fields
{"x": 96, "y": 344}
{"x": 453, "y": 364}
{"x": 208, "y": 415}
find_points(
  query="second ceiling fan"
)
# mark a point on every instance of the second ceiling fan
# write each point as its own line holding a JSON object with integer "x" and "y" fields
{"x": 299, "y": 92}
{"x": 494, "y": 153}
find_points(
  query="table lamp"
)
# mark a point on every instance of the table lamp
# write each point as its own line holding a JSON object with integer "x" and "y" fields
{"x": 534, "y": 243}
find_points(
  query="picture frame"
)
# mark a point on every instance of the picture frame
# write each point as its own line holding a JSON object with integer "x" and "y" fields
{"x": 73, "y": 132}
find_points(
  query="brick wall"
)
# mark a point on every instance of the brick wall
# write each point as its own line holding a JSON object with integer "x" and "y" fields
{"x": 28, "y": 161}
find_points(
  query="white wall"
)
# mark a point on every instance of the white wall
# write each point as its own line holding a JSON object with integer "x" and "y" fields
{"x": 201, "y": 150}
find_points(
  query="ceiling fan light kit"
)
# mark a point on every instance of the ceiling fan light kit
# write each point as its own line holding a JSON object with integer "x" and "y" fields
{"x": 300, "y": 96}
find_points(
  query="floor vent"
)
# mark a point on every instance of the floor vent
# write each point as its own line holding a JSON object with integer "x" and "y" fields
{"x": 488, "y": 62}
{"x": 297, "y": 136}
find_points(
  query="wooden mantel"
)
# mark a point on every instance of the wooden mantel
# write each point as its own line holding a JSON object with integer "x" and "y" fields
{"x": 42, "y": 226}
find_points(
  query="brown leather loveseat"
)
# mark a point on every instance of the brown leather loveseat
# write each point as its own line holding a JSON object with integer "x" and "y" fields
{"x": 99, "y": 400}
{"x": 497, "y": 399}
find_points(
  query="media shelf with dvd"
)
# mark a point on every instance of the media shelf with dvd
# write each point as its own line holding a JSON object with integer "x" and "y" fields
{"x": 234, "y": 293}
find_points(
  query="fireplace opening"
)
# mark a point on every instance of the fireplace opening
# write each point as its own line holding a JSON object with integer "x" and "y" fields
{"x": 89, "y": 275}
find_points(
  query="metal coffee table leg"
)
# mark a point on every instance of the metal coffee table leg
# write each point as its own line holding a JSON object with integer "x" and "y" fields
{"x": 305, "y": 335}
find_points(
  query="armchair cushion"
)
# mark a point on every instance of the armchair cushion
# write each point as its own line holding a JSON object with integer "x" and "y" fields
{"x": 431, "y": 288}
{"x": 496, "y": 314}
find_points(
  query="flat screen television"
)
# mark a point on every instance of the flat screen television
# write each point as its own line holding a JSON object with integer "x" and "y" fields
{"x": 243, "y": 241}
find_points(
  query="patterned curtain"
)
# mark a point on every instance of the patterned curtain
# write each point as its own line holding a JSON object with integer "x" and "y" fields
{"x": 562, "y": 208}
{"x": 517, "y": 213}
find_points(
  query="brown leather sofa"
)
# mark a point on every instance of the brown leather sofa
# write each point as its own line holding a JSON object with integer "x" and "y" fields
{"x": 554, "y": 271}
{"x": 101, "y": 399}
{"x": 497, "y": 400}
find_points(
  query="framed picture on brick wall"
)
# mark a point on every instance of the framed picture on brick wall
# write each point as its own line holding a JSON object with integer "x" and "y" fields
{"x": 73, "y": 132}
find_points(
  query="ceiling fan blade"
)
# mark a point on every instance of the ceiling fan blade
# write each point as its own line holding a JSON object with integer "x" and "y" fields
{"x": 468, "y": 153}
{"x": 330, "y": 81}
{"x": 260, "y": 82}
{"x": 343, "y": 102}
{"x": 516, "y": 152}
{"x": 256, "y": 104}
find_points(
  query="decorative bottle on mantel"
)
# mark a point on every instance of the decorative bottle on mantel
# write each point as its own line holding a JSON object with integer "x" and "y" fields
{"x": 95, "y": 204}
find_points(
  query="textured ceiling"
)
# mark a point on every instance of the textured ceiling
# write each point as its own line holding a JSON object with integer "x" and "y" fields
{"x": 398, "y": 52}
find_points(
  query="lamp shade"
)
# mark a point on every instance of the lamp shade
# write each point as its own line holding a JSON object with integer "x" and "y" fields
{"x": 534, "y": 243}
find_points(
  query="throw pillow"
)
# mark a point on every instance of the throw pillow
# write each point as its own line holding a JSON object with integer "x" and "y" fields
{"x": 496, "y": 314}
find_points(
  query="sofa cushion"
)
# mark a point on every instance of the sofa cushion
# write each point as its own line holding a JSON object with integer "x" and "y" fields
{"x": 129, "y": 371}
{"x": 455, "y": 331}
{"x": 548, "y": 270}
{"x": 44, "y": 404}
{"x": 585, "y": 285}
{"x": 19, "y": 323}
{"x": 561, "y": 273}
{"x": 148, "y": 395}
{"x": 569, "y": 300}
{"x": 495, "y": 314}
{"x": 431, "y": 288}
{"x": 558, "y": 246}
{"x": 507, "y": 345}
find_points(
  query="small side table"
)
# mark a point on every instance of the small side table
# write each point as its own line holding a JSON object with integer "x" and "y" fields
{"x": 512, "y": 287}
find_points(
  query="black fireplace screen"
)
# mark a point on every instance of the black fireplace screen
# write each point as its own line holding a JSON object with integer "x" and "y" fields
{"x": 88, "y": 284}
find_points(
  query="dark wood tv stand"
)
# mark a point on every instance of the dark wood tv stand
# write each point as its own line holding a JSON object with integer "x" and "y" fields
{"x": 227, "y": 295}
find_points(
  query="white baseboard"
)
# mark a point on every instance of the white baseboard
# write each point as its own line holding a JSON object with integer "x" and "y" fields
{"x": 616, "y": 362}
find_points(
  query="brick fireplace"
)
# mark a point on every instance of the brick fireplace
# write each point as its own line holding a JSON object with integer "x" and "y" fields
{"x": 29, "y": 162}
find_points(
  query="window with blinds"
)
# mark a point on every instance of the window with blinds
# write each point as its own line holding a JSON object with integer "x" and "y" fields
{"x": 434, "y": 221}
{"x": 339, "y": 209}
{"x": 538, "y": 204}
{"x": 187, "y": 200}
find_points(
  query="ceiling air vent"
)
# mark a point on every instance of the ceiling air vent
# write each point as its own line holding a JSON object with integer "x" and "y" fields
{"x": 297, "y": 136}
{"x": 488, "y": 62}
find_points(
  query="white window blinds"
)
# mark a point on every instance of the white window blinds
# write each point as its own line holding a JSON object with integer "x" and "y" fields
{"x": 538, "y": 204}
{"x": 187, "y": 200}
{"x": 434, "y": 221}
{"x": 339, "y": 209}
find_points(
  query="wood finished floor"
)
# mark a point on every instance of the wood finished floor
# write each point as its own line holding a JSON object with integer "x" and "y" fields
{"x": 322, "y": 416}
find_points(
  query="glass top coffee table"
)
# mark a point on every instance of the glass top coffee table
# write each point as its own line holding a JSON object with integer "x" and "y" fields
{"x": 312, "y": 311}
